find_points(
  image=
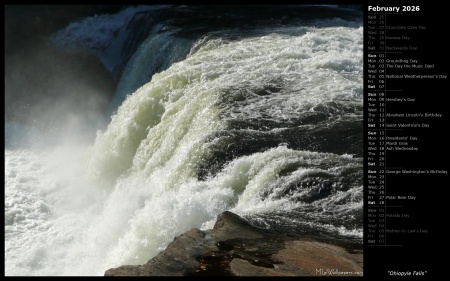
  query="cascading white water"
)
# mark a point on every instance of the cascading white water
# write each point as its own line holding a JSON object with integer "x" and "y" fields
{"x": 80, "y": 211}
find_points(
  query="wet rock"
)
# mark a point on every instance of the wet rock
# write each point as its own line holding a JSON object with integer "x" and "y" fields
{"x": 235, "y": 248}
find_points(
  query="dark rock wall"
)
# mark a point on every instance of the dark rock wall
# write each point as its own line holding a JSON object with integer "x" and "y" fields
{"x": 45, "y": 86}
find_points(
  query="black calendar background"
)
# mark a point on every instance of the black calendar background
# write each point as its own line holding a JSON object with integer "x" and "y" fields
{"x": 414, "y": 254}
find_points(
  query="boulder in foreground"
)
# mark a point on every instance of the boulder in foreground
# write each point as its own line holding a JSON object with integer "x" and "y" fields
{"x": 235, "y": 248}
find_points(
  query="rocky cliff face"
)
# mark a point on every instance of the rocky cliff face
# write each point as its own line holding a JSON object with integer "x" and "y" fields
{"x": 235, "y": 248}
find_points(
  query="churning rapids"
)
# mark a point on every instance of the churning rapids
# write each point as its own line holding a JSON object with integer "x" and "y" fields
{"x": 259, "y": 116}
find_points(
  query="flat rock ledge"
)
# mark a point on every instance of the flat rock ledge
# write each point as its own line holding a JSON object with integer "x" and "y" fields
{"x": 235, "y": 248}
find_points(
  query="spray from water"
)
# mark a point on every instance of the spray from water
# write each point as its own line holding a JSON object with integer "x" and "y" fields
{"x": 76, "y": 208}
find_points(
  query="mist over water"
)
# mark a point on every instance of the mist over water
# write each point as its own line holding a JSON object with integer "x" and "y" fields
{"x": 264, "y": 121}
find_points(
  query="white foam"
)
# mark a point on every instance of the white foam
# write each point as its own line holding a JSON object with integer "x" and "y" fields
{"x": 135, "y": 74}
{"x": 71, "y": 213}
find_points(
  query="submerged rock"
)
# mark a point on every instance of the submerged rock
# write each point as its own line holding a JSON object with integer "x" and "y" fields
{"x": 235, "y": 248}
